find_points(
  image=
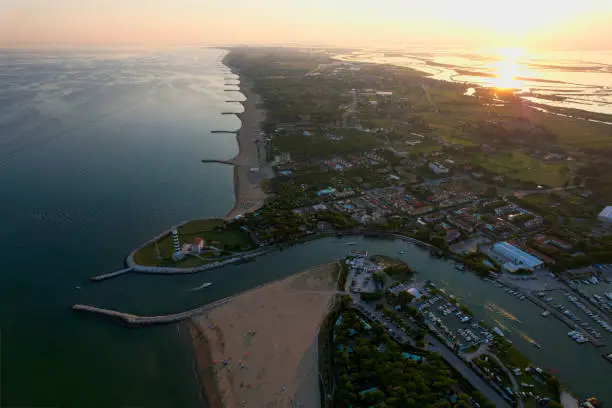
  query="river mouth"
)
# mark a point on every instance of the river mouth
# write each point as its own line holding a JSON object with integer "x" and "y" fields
{"x": 521, "y": 321}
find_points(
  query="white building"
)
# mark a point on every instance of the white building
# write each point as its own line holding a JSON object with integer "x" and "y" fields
{"x": 198, "y": 245}
{"x": 606, "y": 214}
{"x": 516, "y": 258}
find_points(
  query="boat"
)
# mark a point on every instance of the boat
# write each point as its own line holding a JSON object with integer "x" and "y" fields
{"x": 202, "y": 286}
{"x": 608, "y": 357}
{"x": 402, "y": 252}
{"x": 545, "y": 313}
{"x": 536, "y": 345}
{"x": 351, "y": 243}
{"x": 577, "y": 336}
{"x": 460, "y": 267}
{"x": 498, "y": 331}
{"x": 78, "y": 288}
{"x": 356, "y": 252}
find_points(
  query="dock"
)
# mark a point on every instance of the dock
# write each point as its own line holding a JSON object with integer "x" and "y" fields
{"x": 135, "y": 320}
{"x": 110, "y": 275}
{"x": 231, "y": 113}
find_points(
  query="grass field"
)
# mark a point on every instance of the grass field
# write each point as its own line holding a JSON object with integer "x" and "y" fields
{"x": 520, "y": 166}
{"x": 236, "y": 239}
{"x": 424, "y": 148}
{"x": 564, "y": 203}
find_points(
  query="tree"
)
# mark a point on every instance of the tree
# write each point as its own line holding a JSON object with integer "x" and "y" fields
{"x": 345, "y": 301}
{"x": 405, "y": 298}
{"x": 491, "y": 191}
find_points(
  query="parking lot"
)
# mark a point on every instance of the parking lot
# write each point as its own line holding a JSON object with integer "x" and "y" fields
{"x": 396, "y": 332}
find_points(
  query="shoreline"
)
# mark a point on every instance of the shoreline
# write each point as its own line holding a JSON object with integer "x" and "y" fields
{"x": 248, "y": 194}
{"x": 270, "y": 357}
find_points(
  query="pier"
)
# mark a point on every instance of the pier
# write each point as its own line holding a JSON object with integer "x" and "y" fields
{"x": 136, "y": 320}
{"x": 110, "y": 275}
{"x": 231, "y": 113}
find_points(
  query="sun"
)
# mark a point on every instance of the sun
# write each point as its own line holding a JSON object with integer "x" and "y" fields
{"x": 507, "y": 69}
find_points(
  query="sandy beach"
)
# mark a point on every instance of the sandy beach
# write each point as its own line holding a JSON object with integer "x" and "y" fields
{"x": 260, "y": 350}
{"x": 249, "y": 195}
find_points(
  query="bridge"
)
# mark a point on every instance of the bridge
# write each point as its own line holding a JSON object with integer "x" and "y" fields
{"x": 136, "y": 320}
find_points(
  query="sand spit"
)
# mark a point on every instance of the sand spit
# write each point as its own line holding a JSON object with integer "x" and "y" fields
{"x": 260, "y": 350}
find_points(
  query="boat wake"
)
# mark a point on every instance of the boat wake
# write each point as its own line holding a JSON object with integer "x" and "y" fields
{"x": 202, "y": 286}
{"x": 495, "y": 308}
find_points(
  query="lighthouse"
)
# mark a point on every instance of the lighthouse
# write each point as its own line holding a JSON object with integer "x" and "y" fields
{"x": 178, "y": 254}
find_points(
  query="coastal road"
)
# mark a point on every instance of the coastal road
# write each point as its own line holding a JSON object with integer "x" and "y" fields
{"x": 466, "y": 372}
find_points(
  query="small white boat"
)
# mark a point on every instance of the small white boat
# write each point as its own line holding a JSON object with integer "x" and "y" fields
{"x": 202, "y": 286}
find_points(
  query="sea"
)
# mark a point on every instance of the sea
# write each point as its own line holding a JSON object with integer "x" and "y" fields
{"x": 99, "y": 151}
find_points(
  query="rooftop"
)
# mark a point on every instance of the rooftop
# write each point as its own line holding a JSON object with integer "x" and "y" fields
{"x": 517, "y": 255}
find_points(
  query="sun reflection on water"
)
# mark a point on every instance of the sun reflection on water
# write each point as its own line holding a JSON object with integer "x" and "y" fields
{"x": 507, "y": 69}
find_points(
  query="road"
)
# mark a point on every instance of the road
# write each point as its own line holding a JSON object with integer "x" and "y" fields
{"x": 510, "y": 375}
{"x": 465, "y": 371}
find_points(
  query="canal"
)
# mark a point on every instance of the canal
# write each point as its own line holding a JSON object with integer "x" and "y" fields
{"x": 580, "y": 367}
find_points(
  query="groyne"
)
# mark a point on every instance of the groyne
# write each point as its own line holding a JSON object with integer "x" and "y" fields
{"x": 136, "y": 320}
{"x": 110, "y": 275}
{"x": 218, "y": 161}
{"x": 233, "y": 132}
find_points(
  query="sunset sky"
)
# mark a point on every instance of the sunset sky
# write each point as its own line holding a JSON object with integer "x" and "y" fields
{"x": 530, "y": 23}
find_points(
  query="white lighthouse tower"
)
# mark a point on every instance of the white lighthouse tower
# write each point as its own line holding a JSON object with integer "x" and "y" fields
{"x": 178, "y": 254}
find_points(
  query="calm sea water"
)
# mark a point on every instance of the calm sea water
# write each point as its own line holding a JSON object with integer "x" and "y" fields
{"x": 98, "y": 152}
